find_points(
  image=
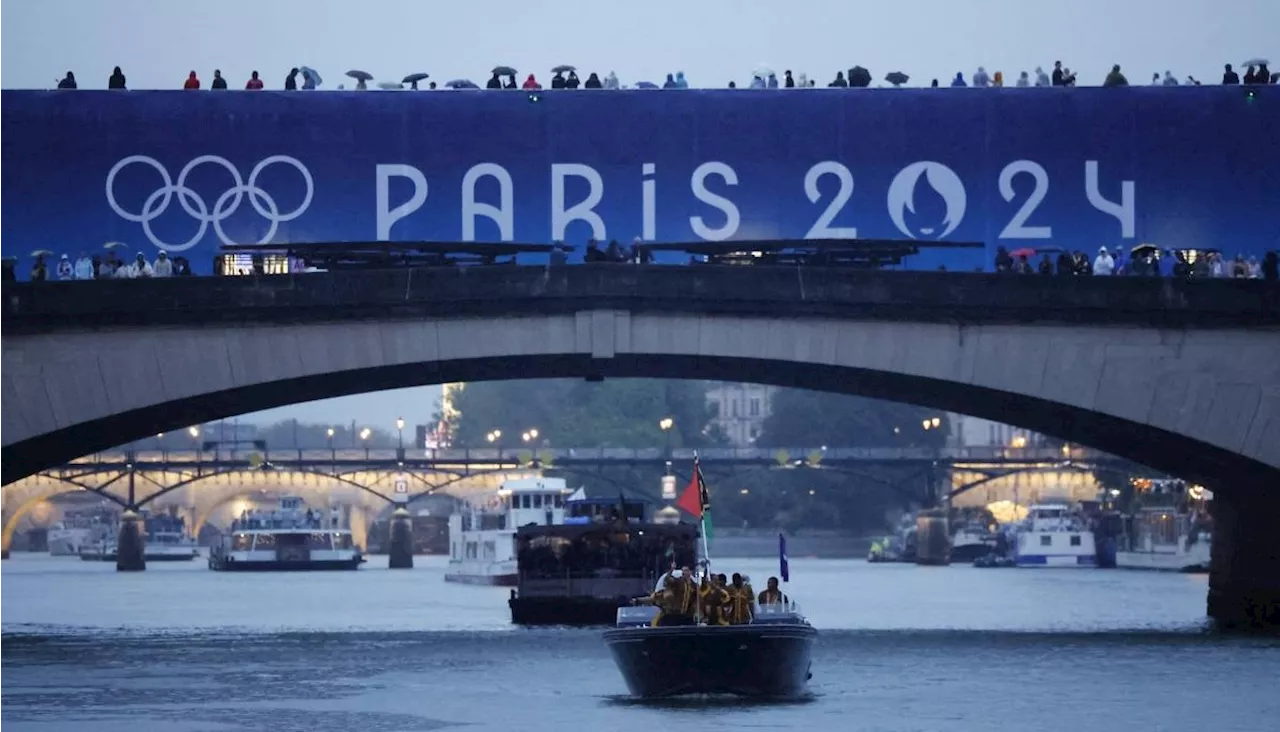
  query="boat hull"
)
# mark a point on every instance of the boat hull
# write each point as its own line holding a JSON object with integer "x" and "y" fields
{"x": 760, "y": 660}
{"x": 219, "y": 564}
{"x": 111, "y": 557}
{"x": 1163, "y": 562}
{"x": 577, "y": 611}
{"x": 490, "y": 580}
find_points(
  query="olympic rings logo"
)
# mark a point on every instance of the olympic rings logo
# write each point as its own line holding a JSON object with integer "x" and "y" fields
{"x": 226, "y": 205}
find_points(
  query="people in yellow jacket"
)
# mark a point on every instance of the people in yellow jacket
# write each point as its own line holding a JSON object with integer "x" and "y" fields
{"x": 740, "y": 601}
{"x": 713, "y": 597}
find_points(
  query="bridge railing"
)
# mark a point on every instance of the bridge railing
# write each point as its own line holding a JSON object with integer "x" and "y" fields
{"x": 549, "y": 456}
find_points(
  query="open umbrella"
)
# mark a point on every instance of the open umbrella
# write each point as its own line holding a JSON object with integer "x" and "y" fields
{"x": 1027, "y": 252}
{"x": 762, "y": 71}
{"x": 461, "y": 84}
{"x": 390, "y": 85}
{"x": 563, "y": 68}
{"x": 1143, "y": 248}
{"x": 859, "y": 76}
{"x": 310, "y": 77}
{"x": 115, "y": 245}
{"x": 646, "y": 85}
{"x": 504, "y": 70}
{"x": 897, "y": 78}
{"x": 359, "y": 75}
{"x": 413, "y": 79}
{"x": 42, "y": 253}
{"x": 1256, "y": 62}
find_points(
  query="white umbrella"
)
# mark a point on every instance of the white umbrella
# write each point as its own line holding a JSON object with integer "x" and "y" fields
{"x": 762, "y": 71}
{"x": 1256, "y": 62}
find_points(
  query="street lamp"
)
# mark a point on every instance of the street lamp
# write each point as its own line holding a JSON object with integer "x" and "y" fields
{"x": 329, "y": 434}
{"x": 364, "y": 433}
{"x": 400, "y": 430}
{"x": 665, "y": 424}
{"x": 195, "y": 436}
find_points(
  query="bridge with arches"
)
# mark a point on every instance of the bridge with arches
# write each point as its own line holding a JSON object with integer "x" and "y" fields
{"x": 368, "y": 483}
{"x": 1180, "y": 375}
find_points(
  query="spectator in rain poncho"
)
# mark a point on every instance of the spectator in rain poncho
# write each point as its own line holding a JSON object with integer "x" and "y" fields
{"x": 68, "y": 81}
{"x": 1169, "y": 80}
{"x": 1023, "y": 80}
{"x": 772, "y": 82}
{"x": 593, "y": 82}
{"x": 681, "y": 83}
{"x": 670, "y": 83}
{"x": 611, "y": 81}
{"x": 959, "y": 80}
{"x": 802, "y": 81}
{"x": 163, "y": 266}
{"x": 116, "y": 80}
{"x": 531, "y": 83}
{"x": 981, "y": 79}
{"x": 840, "y": 81}
{"x": 84, "y": 267}
{"x": 1042, "y": 79}
{"x": 758, "y": 82}
{"x": 64, "y": 267}
{"x": 1103, "y": 264}
{"x": 1115, "y": 78}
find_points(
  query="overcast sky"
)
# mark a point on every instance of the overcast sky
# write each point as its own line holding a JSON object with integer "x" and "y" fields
{"x": 712, "y": 41}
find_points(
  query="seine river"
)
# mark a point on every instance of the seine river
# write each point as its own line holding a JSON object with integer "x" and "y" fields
{"x": 183, "y": 649}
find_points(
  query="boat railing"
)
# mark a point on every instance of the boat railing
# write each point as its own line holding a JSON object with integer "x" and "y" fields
{"x": 775, "y": 613}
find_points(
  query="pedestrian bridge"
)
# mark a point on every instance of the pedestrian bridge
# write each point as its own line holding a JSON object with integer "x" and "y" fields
{"x": 1183, "y": 376}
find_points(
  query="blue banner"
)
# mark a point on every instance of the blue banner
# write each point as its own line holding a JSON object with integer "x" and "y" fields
{"x": 1076, "y": 168}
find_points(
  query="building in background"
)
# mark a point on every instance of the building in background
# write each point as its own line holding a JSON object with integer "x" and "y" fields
{"x": 739, "y": 410}
{"x": 969, "y": 431}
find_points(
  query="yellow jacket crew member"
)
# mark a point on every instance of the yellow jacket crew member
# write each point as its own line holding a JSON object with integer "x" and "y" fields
{"x": 713, "y": 597}
{"x": 739, "y": 608}
{"x": 772, "y": 595}
{"x": 673, "y": 601}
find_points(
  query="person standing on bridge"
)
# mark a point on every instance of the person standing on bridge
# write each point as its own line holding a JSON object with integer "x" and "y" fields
{"x": 1103, "y": 264}
{"x": 192, "y": 82}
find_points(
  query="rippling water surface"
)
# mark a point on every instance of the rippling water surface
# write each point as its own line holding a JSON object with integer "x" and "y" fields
{"x": 903, "y": 648}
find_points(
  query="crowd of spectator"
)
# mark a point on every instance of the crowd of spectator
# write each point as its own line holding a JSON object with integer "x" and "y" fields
{"x": 1142, "y": 261}
{"x": 566, "y": 77}
{"x": 257, "y": 519}
{"x": 97, "y": 267}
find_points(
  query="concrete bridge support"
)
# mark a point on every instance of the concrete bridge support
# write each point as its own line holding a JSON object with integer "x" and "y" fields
{"x": 131, "y": 544}
{"x": 401, "y": 544}
{"x": 1244, "y": 572}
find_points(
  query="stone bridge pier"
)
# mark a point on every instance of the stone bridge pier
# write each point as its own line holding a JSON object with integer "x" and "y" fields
{"x": 1244, "y": 568}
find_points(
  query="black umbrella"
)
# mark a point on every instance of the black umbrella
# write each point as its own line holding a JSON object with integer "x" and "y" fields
{"x": 360, "y": 75}
{"x": 859, "y": 76}
{"x": 504, "y": 70}
{"x": 897, "y": 78}
{"x": 413, "y": 79}
{"x": 563, "y": 68}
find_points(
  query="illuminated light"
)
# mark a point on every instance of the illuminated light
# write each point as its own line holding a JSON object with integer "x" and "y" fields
{"x": 744, "y": 491}
{"x": 812, "y": 492}
{"x": 1018, "y": 442}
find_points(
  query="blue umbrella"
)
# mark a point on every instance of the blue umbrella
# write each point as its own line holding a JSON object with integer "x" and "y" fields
{"x": 646, "y": 85}
{"x": 461, "y": 84}
{"x": 310, "y": 78}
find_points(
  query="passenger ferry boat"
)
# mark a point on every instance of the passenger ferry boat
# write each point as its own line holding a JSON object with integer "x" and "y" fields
{"x": 1174, "y": 535}
{"x": 289, "y": 539}
{"x": 482, "y": 535}
{"x": 78, "y": 530}
{"x": 971, "y": 541}
{"x": 1052, "y": 536}
{"x": 165, "y": 540}
{"x": 606, "y": 552}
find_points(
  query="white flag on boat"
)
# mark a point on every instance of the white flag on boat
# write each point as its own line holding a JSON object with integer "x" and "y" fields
{"x": 578, "y": 495}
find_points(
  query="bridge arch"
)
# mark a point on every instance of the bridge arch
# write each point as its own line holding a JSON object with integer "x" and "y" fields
{"x": 1127, "y": 367}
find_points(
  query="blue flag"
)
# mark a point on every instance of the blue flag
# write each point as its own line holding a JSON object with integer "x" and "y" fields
{"x": 783, "y": 568}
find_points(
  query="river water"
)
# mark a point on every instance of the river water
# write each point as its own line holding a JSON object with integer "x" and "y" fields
{"x": 902, "y": 648}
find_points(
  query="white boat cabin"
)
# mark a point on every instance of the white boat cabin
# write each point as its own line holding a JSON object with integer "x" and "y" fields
{"x": 482, "y": 534}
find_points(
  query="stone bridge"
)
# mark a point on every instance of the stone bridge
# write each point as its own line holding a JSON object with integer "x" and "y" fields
{"x": 1180, "y": 375}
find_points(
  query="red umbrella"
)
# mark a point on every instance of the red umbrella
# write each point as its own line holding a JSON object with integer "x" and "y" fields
{"x": 1027, "y": 252}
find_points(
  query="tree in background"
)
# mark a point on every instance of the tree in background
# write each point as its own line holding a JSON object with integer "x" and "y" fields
{"x": 577, "y": 413}
{"x": 802, "y": 418}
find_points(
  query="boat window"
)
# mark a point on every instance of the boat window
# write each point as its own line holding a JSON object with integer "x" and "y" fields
{"x": 537, "y": 500}
{"x": 1075, "y": 540}
{"x": 265, "y": 541}
{"x": 342, "y": 541}
{"x": 602, "y": 553}
{"x": 242, "y": 542}
{"x": 559, "y": 501}
{"x": 319, "y": 540}
{"x": 1045, "y": 540}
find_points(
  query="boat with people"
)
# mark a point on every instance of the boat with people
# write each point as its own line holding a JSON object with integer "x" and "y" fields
{"x": 705, "y": 635}
{"x": 1173, "y": 533}
{"x": 603, "y": 553}
{"x": 291, "y": 538}
{"x": 710, "y": 634}
{"x": 165, "y": 539}
{"x": 1052, "y": 535}
{"x": 482, "y": 546}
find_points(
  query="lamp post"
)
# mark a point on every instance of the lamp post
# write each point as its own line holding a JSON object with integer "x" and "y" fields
{"x": 529, "y": 435}
{"x": 333, "y": 454}
{"x": 364, "y": 440}
{"x": 400, "y": 430}
{"x": 665, "y": 424}
{"x": 195, "y": 436}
